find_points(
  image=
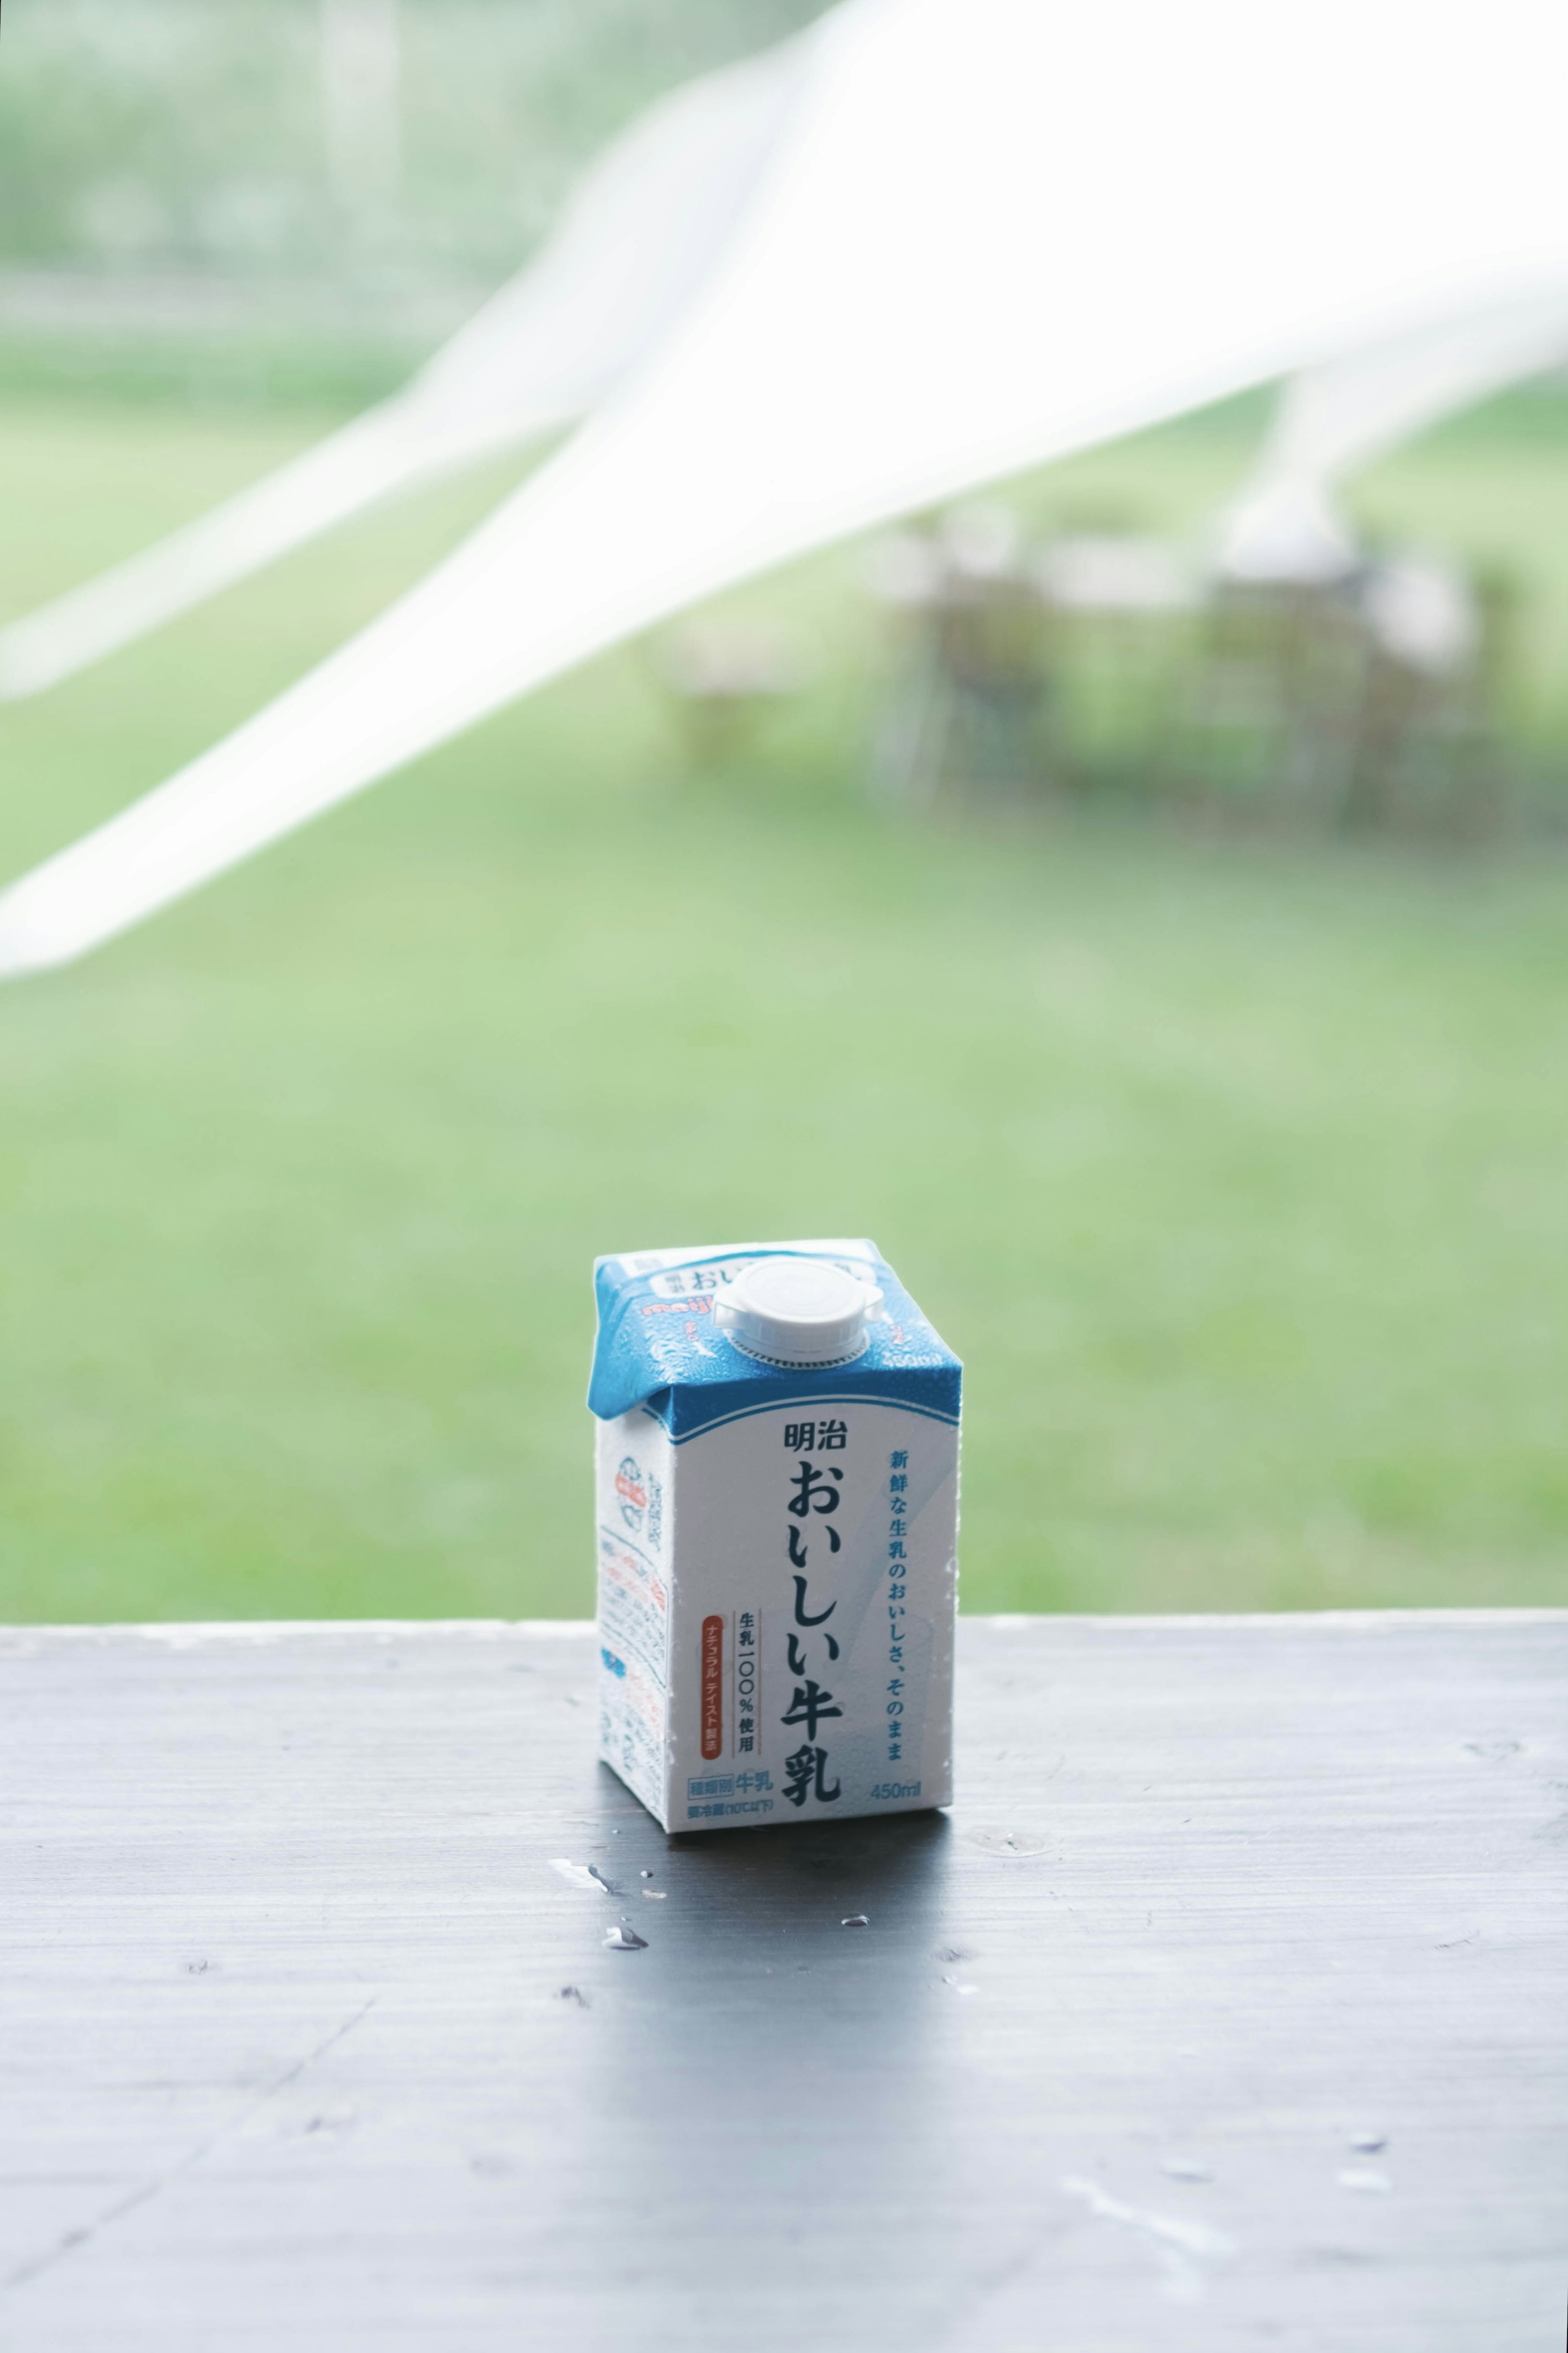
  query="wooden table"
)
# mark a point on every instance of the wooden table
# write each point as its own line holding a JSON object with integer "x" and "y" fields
{"x": 1229, "y": 2008}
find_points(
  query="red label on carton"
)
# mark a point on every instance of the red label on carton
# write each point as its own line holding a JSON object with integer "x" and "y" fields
{"x": 712, "y": 1688}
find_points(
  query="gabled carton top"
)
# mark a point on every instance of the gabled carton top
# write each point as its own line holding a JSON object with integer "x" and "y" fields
{"x": 661, "y": 1346}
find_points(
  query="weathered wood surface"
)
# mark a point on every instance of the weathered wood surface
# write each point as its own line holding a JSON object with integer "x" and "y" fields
{"x": 1229, "y": 2008}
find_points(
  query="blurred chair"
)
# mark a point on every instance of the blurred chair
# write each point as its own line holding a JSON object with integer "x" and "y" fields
{"x": 1266, "y": 728}
{"x": 1429, "y": 755}
{"x": 1368, "y": 701}
{"x": 724, "y": 675}
{"x": 1119, "y": 617}
{"x": 967, "y": 705}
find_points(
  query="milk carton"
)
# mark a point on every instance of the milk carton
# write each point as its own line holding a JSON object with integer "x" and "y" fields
{"x": 777, "y": 1506}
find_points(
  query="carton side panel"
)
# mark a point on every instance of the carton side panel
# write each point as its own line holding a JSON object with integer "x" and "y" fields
{"x": 634, "y": 1536}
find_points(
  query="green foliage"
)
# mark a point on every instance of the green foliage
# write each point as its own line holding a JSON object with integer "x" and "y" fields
{"x": 1236, "y": 1175}
{"x": 160, "y": 133}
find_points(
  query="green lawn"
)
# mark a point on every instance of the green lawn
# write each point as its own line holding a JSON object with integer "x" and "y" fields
{"x": 1236, "y": 1175}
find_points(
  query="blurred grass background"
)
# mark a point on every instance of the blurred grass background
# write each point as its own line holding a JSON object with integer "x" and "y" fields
{"x": 1235, "y": 1171}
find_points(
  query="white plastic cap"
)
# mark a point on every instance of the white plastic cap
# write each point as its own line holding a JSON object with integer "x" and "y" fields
{"x": 798, "y": 1310}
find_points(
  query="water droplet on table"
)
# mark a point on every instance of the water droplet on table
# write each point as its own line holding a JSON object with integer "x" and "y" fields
{"x": 580, "y": 1874}
{"x": 625, "y": 1940}
{"x": 856, "y": 1920}
{"x": 960, "y": 1986}
{"x": 656, "y": 1894}
{"x": 1369, "y": 2177}
{"x": 1015, "y": 1840}
{"x": 1367, "y": 2144}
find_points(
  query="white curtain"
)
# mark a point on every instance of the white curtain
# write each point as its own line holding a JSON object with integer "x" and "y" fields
{"x": 1332, "y": 419}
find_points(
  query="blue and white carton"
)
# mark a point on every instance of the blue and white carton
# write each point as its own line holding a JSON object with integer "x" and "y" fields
{"x": 777, "y": 1507}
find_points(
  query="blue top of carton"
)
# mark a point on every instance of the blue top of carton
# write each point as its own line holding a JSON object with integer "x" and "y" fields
{"x": 659, "y": 1346}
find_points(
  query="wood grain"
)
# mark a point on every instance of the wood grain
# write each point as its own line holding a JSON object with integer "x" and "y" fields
{"x": 287, "y": 2056}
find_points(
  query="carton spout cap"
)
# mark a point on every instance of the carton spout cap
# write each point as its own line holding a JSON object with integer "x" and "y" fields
{"x": 798, "y": 1310}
